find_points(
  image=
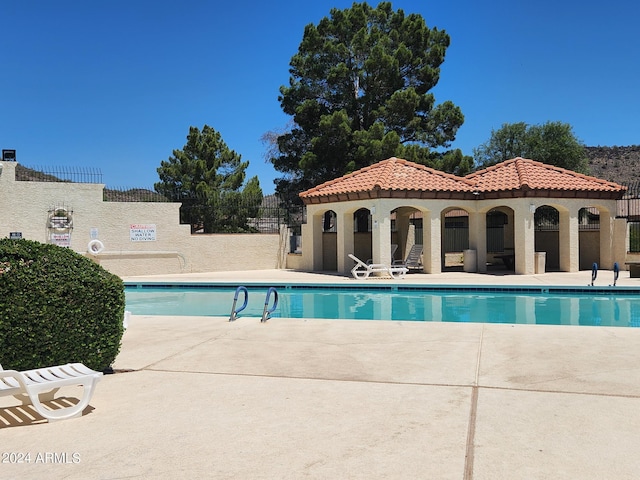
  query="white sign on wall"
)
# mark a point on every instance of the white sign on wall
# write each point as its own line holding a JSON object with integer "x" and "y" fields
{"x": 142, "y": 232}
{"x": 61, "y": 239}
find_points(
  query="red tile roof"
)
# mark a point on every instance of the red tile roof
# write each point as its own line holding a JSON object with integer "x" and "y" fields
{"x": 396, "y": 177}
{"x": 520, "y": 173}
{"x": 391, "y": 175}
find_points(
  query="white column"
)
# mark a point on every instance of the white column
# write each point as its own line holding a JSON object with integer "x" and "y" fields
{"x": 432, "y": 237}
{"x": 381, "y": 236}
{"x": 606, "y": 240}
{"x": 312, "y": 241}
{"x": 345, "y": 245}
{"x": 524, "y": 239}
{"x": 569, "y": 243}
{"x": 478, "y": 238}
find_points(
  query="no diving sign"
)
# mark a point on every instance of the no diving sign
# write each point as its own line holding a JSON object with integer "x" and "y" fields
{"x": 142, "y": 232}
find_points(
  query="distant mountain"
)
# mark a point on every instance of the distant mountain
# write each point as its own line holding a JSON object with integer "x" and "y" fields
{"x": 615, "y": 164}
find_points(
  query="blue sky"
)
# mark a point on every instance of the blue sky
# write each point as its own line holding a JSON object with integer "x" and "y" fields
{"x": 115, "y": 85}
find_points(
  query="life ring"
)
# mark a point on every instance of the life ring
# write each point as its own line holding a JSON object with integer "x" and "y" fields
{"x": 95, "y": 247}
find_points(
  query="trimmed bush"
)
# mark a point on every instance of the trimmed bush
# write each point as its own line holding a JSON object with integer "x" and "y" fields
{"x": 57, "y": 306}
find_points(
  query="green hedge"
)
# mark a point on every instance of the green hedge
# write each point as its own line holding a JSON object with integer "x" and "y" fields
{"x": 57, "y": 306}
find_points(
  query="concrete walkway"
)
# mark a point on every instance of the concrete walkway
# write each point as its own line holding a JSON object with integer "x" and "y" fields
{"x": 199, "y": 397}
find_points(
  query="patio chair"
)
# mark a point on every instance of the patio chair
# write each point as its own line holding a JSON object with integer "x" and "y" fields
{"x": 363, "y": 270}
{"x": 40, "y": 385}
{"x": 413, "y": 260}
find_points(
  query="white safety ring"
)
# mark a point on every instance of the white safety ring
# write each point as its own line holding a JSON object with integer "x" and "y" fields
{"x": 95, "y": 247}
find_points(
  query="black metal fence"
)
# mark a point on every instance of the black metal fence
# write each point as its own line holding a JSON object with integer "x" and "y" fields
{"x": 133, "y": 195}
{"x": 629, "y": 208}
{"x": 234, "y": 215}
{"x": 58, "y": 174}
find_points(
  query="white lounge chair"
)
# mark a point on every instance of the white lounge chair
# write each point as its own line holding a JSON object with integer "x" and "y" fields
{"x": 40, "y": 385}
{"x": 363, "y": 270}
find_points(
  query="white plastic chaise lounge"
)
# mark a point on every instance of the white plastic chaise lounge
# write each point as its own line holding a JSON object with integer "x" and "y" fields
{"x": 40, "y": 385}
{"x": 363, "y": 270}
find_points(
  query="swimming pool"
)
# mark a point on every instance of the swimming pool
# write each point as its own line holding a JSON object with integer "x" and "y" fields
{"x": 617, "y": 306}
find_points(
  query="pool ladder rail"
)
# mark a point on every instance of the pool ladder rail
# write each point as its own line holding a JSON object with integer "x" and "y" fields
{"x": 594, "y": 273}
{"x": 266, "y": 313}
{"x": 234, "y": 310}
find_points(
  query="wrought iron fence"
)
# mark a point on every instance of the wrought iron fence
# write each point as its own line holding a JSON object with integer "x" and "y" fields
{"x": 58, "y": 174}
{"x": 629, "y": 208}
{"x": 120, "y": 194}
{"x": 233, "y": 215}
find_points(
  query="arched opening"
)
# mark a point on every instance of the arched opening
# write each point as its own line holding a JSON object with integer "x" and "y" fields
{"x": 589, "y": 237}
{"x": 329, "y": 241}
{"x": 547, "y": 235}
{"x": 455, "y": 238}
{"x": 501, "y": 253}
{"x": 407, "y": 236}
{"x": 362, "y": 247}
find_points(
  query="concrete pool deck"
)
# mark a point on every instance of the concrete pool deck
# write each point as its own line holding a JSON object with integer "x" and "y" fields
{"x": 199, "y": 397}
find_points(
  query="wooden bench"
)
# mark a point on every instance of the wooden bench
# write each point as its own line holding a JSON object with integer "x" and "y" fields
{"x": 35, "y": 386}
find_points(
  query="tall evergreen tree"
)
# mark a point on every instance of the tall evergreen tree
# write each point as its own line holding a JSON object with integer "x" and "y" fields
{"x": 206, "y": 176}
{"x": 359, "y": 93}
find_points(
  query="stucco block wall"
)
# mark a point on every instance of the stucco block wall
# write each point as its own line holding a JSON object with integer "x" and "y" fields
{"x": 329, "y": 252}
{"x": 172, "y": 249}
{"x": 589, "y": 249}
{"x": 547, "y": 241}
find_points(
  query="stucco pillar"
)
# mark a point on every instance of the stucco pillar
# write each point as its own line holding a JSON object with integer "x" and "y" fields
{"x": 606, "y": 240}
{"x": 7, "y": 177}
{"x": 478, "y": 238}
{"x": 432, "y": 237}
{"x": 569, "y": 242}
{"x": 620, "y": 241}
{"x": 345, "y": 242}
{"x": 524, "y": 239}
{"x": 312, "y": 241}
{"x": 381, "y": 236}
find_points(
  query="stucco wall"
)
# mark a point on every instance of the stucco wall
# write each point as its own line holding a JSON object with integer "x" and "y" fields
{"x": 26, "y": 207}
{"x": 589, "y": 249}
{"x": 547, "y": 242}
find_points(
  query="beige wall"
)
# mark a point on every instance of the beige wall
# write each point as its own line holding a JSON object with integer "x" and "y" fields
{"x": 26, "y": 207}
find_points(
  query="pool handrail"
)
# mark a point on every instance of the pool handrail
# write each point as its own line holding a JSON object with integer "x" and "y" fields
{"x": 266, "y": 313}
{"x": 234, "y": 311}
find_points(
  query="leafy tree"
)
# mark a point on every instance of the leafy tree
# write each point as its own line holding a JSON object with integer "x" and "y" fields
{"x": 359, "y": 93}
{"x": 206, "y": 176}
{"x": 553, "y": 143}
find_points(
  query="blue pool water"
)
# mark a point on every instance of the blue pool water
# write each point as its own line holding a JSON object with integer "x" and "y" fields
{"x": 527, "y": 305}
